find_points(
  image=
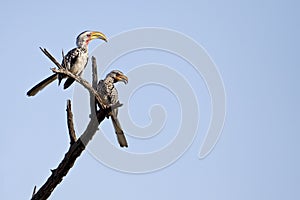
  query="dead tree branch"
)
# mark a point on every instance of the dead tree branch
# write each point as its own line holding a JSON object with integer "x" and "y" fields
{"x": 77, "y": 146}
{"x": 70, "y": 123}
{"x": 70, "y": 157}
{"x": 93, "y": 105}
{"x": 33, "y": 193}
{"x": 83, "y": 82}
{"x": 51, "y": 57}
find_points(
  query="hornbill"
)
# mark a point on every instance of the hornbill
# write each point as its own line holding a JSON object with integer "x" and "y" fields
{"x": 109, "y": 94}
{"x": 75, "y": 61}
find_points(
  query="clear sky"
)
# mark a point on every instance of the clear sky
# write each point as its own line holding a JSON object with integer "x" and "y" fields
{"x": 255, "y": 46}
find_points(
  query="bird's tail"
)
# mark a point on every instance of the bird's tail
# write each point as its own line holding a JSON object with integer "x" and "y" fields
{"x": 41, "y": 85}
{"x": 120, "y": 134}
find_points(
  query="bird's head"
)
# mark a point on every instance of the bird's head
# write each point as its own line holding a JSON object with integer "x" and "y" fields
{"x": 85, "y": 37}
{"x": 117, "y": 76}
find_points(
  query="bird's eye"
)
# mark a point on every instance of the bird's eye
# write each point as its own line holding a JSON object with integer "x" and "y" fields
{"x": 89, "y": 35}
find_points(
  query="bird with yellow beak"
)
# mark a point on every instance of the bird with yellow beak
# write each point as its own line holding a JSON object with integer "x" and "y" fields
{"x": 109, "y": 94}
{"x": 75, "y": 61}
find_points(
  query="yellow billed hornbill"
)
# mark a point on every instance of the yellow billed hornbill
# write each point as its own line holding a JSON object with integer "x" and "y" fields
{"x": 75, "y": 61}
{"x": 109, "y": 94}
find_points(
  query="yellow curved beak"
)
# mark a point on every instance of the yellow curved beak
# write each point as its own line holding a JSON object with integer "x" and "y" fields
{"x": 98, "y": 35}
{"x": 123, "y": 78}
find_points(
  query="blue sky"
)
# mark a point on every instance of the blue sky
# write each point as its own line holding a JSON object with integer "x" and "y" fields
{"x": 255, "y": 45}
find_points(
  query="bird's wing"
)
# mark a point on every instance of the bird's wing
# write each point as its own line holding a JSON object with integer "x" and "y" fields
{"x": 101, "y": 89}
{"x": 68, "y": 82}
{"x": 114, "y": 98}
{"x": 75, "y": 61}
{"x": 70, "y": 59}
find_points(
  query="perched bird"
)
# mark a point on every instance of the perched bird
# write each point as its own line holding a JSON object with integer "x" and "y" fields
{"x": 75, "y": 61}
{"x": 109, "y": 94}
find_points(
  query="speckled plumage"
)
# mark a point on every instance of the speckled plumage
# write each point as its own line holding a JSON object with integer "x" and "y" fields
{"x": 75, "y": 61}
{"x": 109, "y": 94}
{"x": 108, "y": 91}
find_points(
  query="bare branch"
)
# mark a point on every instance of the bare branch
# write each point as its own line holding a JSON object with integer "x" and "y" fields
{"x": 51, "y": 57}
{"x": 77, "y": 146}
{"x": 94, "y": 73}
{"x": 70, "y": 123}
{"x": 73, "y": 153}
{"x": 93, "y": 105}
{"x": 83, "y": 82}
{"x": 34, "y": 190}
{"x": 63, "y": 56}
